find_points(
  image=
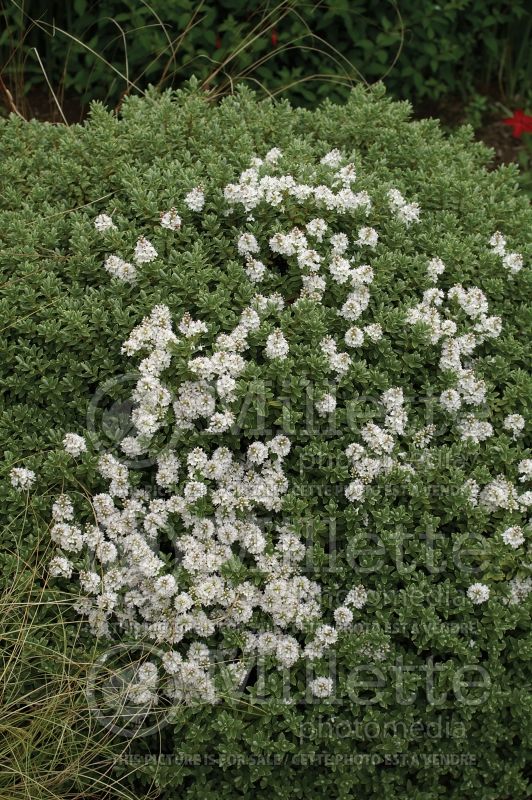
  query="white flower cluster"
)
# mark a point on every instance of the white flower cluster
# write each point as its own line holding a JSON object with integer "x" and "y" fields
{"x": 237, "y": 565}
{"x": 520, "y": 588}
{"x": 512, "y": 262}
{"x": 74, "y": 444}
{"x": 326, "y": 404}
{"x": 375, "y": 457}
{"x": 125, "y": 271}
{"x": 514, "y": 536}
{"x": 253, "y": 188}
{"x": 120, "y": 269}
{"x": 478, "y": 593}
{"x": 171, "y": 220}
{"x": 22, "y": 478}
{"x": 276, "y": 345}
{"x": 195, "y": 199}
{"x": 104, "y": 223}
{"x": 144, "y": 251}
{"x": 435, "y": 268}
{"x": 467, "y": 308}
{"x": 212, "y": 505}
{"x": 247, "y": 246}
{"x": 514, "y": 424}
{"x": 405, "y": 212}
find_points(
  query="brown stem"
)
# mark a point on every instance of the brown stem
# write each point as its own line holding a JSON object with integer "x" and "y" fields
{"x": 9, "y": 98}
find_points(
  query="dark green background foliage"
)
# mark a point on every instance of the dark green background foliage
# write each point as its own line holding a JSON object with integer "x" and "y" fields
{"x": 424, "y": 49}
{"x": 63, "y": 320}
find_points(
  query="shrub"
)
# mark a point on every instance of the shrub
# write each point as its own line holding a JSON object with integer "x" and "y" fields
{"x": 404, "y": 490}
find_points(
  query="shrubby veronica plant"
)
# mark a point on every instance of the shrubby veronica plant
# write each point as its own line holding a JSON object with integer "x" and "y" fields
{"x": 324, "y": 466}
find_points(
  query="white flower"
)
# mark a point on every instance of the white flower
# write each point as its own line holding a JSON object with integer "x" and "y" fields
{"x": 354, "y": 451}
{"x": 189, "y": 327}
{"x": 276, "y": 345}
{"x": 525, "y": 500}
{"x": 357, "y": 597}
{"x": 525, "y": 469}
{"x": 373, "y": 332}
{"x": 165, "y": 586}
{"x": 346, "y": 175}
{"x": 498, "y": 243}
{"x": 247, "y": 244}
{"x": 172, "y": 662}
{"x": 513, "y": 262}
{"x": 473, "y": 391}
{"x": 280, "y": 445}
{"x": 255, "y": 270}
{"x": 313, "y": 287}
{"x": 287, "y": 651}
{"x": 68, "y": 537}
{"x": 120, "y": 269}
{"x": 332, "y": 159}
{"x": 221, "y": 421}
{"x": 478, "y": 593}
{"x": 354, "y": 337}
{"x": 257, "y": 452}
{"x": 340, "y": 269}
{"x": 343, "y": 617}
{"x": 60, "y": 567}
{"x": 513, "y": 536}
{"x": 514, "y": 423}
{"x": 273, "y": 155}
{"x": 520, "y": 588}
{"x": 474, "y": 430}
{"x": 450, "y": 400}
{"x": 168, "y": 469}
{"x": 171, "y": 220}
{"x": 339, "y": 243}
{"x": 326, "y": 405}
{"x": 62, "y": 509}
{"x": 472, "y": 490}
{"x": 435, "y": 267}
{"x": 103, "y": 223}
{"x": 326, "y": 635}
{"x": 368, "y": 237}
{"x": 409, "y": 213}
{"x": 406, "y": 212}
{"x": 355, "y": 491}
{"x": 195, "y": 199}
{"x": 74, "y": 444}
{"x": 356, "y": 303}
{"x": 22, "y": 478}
{"x": 377, "y": 439}
{"x": 144, "y": 251}
{"x": 316, "y": 228}
{"x": 321, "y": 687}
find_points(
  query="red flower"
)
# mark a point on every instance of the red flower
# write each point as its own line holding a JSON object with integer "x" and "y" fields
{"x": 520, "y": 122}
{"x": 275, "y": 38}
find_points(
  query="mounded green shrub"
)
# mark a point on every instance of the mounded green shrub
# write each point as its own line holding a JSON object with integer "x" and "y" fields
{"x": 416, "y": 542}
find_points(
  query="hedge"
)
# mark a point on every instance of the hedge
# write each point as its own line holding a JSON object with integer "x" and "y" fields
{"x": 65, "y": 319}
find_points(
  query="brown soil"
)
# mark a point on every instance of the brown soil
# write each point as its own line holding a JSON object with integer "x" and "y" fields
{"x": 492, "y": 132}
{"x": 38, "y": 104}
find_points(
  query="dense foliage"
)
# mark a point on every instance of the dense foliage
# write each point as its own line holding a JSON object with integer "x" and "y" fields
{"x": 423, "y": 49}
{"x": 414, "y": 722}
